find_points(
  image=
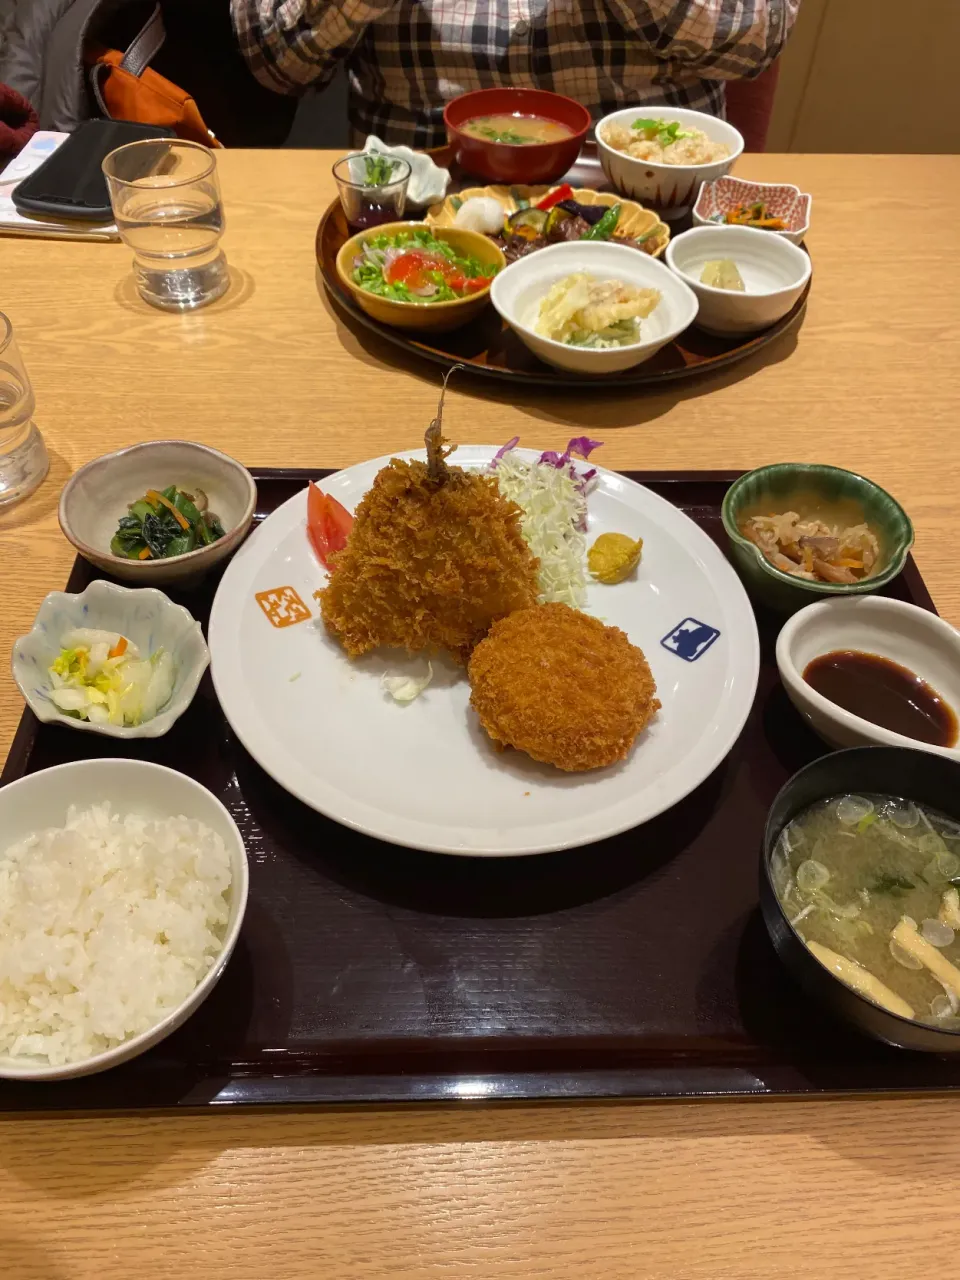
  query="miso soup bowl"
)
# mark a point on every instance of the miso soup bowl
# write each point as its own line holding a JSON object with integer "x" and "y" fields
{"x": 896, "y": 771}
{"x": 504, "y": 162}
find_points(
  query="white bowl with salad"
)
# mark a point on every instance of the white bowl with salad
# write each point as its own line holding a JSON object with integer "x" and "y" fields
{"x": 159, "y": 512}
{"x": 593, "y": 307}
{"x": 411, "y": 276}
{"x": 662, "y": 155}
{"x": 111, "y": 660}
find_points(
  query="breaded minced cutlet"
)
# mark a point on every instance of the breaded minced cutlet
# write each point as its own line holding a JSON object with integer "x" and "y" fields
{"x": 561, "y": 686}
{"x": 434, "y": 556}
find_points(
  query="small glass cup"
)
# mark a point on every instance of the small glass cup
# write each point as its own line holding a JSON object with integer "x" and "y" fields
{"x": 371, "y": 203}
{"x": 23, "y": 456}
{"x": 166, "y": 203}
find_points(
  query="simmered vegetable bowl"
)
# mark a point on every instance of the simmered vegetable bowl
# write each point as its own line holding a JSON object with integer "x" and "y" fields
{"x": 414, "y": 266}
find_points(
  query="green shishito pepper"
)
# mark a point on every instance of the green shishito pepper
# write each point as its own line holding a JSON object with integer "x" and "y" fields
{"x": 605, "y": 228}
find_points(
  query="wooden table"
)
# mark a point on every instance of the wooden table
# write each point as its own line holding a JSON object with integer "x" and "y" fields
{"x": 667, "y": 1192}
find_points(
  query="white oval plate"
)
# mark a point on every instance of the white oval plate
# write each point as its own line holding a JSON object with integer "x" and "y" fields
{"x": 425, "y": 774}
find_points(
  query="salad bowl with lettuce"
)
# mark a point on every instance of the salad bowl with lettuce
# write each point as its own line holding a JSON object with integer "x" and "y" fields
{"x": 411, "y": 276}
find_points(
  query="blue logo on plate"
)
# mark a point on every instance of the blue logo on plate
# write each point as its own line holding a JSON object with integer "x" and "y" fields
{"x": 690, "y": 640}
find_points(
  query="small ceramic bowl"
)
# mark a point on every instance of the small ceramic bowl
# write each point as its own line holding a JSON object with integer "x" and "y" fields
{"x": 518, "y": 291}
{"x": 912, "y": 637}
{"x": 505, "y": 162}
{"x": 144, "y": 616}
{"x": 892, "y": 771}
{"x": 810, "y": 489}
{"x": 423, "y": 317}
{"x": 784, "y": 201}
{"x": 775, "y": 274}
{"x": 668, "y": 188}
{"x": 96, "y": 496}
{"x": 41, "y": 800}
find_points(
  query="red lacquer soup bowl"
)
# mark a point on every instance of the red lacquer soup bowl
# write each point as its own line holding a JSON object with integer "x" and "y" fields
{"x": 508, "y": 162}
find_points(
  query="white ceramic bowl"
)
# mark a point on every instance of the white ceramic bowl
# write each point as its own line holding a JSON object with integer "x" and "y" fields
{"x": 782, "y": 199}
{"x": 144, "y": 616}
{"x": 915, "y": 638}
{"x": 775, "y": 273}
{"x": 97, "y": 495}
{"x": 670, "y": 188}
{"x": 517, "y": 292}
{"x": 41, "y": 800}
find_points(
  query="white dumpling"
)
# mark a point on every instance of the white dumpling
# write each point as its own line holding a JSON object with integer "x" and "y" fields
{"x": 481, "y": 213}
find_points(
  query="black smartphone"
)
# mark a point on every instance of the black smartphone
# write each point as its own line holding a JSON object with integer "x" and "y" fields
{"x": 70, "y": 182}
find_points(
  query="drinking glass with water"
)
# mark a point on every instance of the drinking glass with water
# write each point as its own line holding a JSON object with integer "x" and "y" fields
{"x": 23, "y": 457}
{"x": 166, "y": 203}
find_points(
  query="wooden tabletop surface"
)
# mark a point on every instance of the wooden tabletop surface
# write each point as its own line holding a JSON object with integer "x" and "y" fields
{"x": 709, "y": 1191}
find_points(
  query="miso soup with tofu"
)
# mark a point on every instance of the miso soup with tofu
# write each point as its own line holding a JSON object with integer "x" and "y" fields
{"x": 871, "y": 884}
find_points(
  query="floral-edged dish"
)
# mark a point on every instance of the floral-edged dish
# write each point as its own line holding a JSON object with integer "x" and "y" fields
{"x": 783, "y": 200}
{"x": 145, "y": 616}
{"x": 635, "y": 221}
{"x": 428, "y": 182}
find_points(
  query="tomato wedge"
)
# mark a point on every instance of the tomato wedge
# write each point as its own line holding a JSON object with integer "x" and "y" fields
{"x": 328, "y": 524}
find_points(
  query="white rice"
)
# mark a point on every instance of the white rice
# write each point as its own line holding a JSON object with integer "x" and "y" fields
{"x": 106, "y": 926}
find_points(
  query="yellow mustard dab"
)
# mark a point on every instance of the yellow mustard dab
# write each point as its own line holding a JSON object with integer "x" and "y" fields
{"x": 614, "y": 557}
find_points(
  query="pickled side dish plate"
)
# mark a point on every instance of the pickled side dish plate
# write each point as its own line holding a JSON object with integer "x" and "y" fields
{"x": 145, "y": 616}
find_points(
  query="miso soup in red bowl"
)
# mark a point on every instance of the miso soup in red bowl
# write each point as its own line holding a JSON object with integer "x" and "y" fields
{"x": 516, "y": 135}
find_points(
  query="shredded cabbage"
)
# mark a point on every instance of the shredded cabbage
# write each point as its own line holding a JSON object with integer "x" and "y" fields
{"x": 554, "y": 505}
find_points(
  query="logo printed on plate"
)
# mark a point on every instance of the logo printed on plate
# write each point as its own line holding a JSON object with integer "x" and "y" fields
{"x": 283, "y": 606}
{"x": 690, "y": 639}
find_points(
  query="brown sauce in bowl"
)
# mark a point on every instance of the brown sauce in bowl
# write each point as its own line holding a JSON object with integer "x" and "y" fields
{"x": 885, "y": 693}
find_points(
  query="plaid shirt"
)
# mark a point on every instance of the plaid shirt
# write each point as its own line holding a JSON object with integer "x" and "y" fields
{"x": 406, "y": 58}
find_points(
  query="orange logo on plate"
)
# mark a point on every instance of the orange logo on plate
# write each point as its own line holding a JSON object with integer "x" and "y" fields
{"x": 283, "y": 606}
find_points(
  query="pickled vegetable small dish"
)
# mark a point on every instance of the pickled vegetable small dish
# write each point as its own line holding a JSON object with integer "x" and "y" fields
{"x": 416, "y": 266}
{"x": 722, "y": 273}
{"x": 100, "y": 676}
{"x": 165, "y": 523}
{"x": 812, "y": 549}
{"x": 756, "y": 214}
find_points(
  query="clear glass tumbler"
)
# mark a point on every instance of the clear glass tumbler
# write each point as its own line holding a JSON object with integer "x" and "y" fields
{"x": 23, "y": 456}
{"x": 373, "y": 188}
{"x": 166, "y": 203}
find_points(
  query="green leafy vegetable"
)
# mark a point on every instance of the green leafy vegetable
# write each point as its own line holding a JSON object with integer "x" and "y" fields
{"x": 660, "y": 131}
{"x": 378, "y": 170}
{"x": 164, "y": 523}
{"x": 891, "y": 884}
{"x": 866, "y": 821}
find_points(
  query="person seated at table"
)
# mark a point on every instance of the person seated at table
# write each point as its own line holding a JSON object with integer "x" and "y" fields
{"x": 407, "y": 58}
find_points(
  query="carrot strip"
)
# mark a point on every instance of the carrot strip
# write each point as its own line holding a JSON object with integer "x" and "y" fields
{"x": 120, "y": 648}
{"x": 144, "y": 554}
{"x": 154, "y": 497}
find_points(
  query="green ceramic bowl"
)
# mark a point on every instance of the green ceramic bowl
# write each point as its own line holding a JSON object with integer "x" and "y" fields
{"x": 785, "y": 486}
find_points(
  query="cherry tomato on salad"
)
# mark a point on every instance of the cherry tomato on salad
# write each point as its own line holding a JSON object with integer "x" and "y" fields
{"x": 328, "y": 524}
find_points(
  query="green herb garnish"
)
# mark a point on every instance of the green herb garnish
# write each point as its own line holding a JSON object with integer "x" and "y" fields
{"x": 378, "y": 170}
{"x": 660, "y": 131}
{"x": 866, "y": 821}
{"x": 894, "y": 885}
{"x": 509, "y": 136}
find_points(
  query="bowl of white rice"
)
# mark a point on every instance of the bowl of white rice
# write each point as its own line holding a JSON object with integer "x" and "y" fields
{"x": 123, "y": 886}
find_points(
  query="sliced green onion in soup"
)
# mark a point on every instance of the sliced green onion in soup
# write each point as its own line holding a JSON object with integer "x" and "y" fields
{"x": 812, "y": 876}
{"x": 853, "y": 809}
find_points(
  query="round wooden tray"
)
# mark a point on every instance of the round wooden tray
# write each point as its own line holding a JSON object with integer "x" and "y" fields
{"x": 489, "y": 348}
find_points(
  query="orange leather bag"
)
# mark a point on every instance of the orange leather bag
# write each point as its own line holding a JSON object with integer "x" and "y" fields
{"x": 127, "y": 89}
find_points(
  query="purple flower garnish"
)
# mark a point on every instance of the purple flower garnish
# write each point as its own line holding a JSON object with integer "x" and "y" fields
{"x": 583, "y": 446}
{"x": 511, "y": 444}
